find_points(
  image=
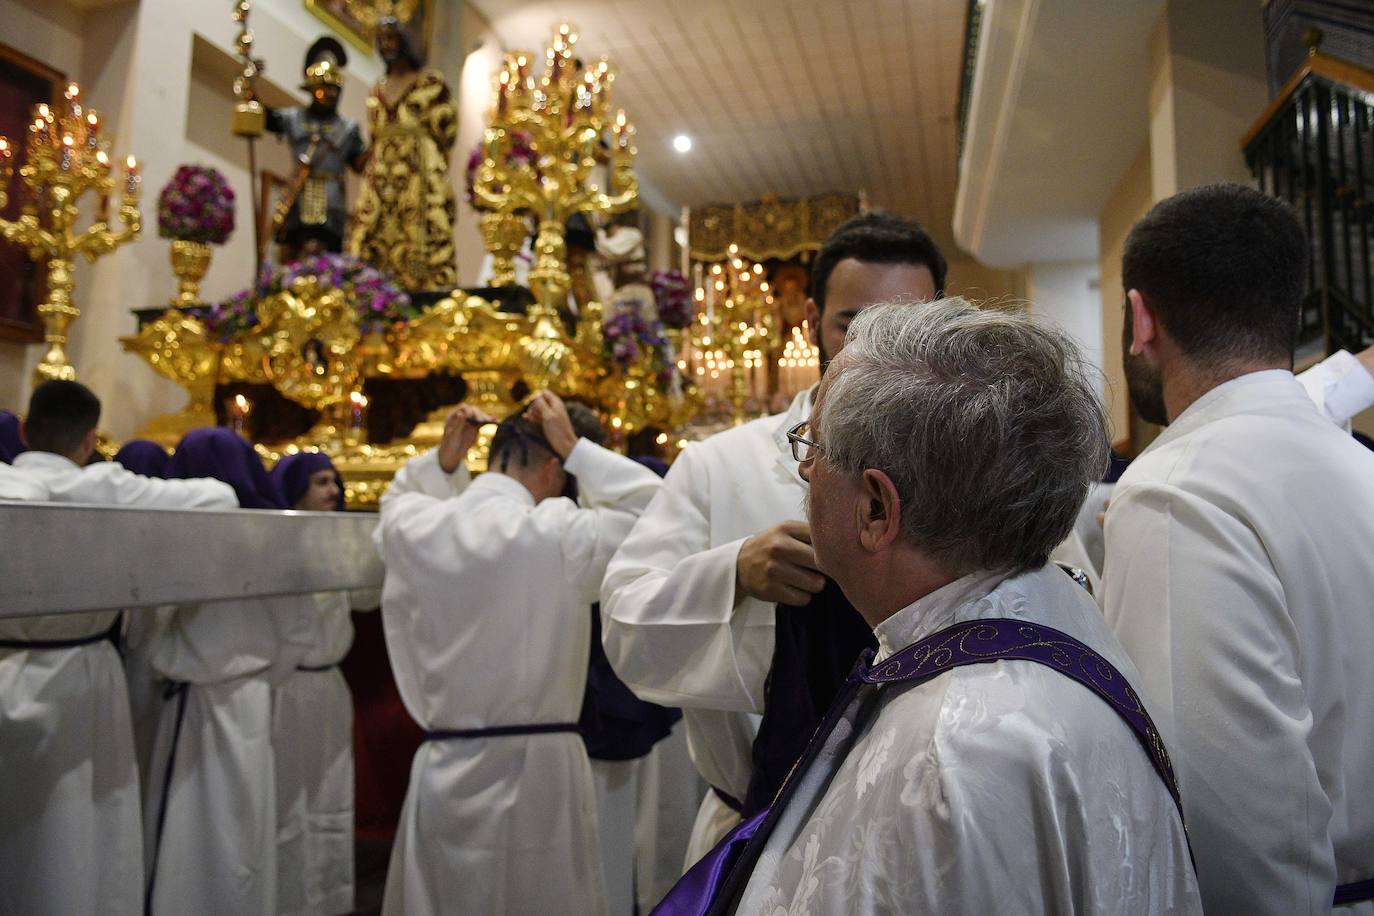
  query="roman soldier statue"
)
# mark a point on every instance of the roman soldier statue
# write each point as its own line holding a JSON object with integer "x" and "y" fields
{"x": 310, "y": 216}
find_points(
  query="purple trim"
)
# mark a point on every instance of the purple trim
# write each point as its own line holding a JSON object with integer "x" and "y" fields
{"x": 499, "y": 731}
{"x": 990, "y": 640}
{"x": 1354, "y": 892}
{"x": 715, "y": 883}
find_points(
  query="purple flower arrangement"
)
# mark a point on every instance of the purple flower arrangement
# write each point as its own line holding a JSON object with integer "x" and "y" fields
{"x": 197, "y": 205}
{"x": 626, "y": 333}
{"x": 672, "y": 298}
{"x": 521, "y": 151}
{"x": 377, "y": 300}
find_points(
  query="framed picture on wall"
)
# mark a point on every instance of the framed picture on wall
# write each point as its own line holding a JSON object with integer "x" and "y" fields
{"x": 356, "y": 20}
{"x": 24, "y": 83}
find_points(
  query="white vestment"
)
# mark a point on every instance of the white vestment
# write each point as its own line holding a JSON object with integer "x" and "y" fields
{"x": 1240, "y": 578}
{"x": 669, "y": 620}
{"x": 69, "y": 807}
{"x": 312, "y": 738}
{"x": 485, "y": 612}
{"x": 999, "y": 787}
{"x": 210, "y": 828}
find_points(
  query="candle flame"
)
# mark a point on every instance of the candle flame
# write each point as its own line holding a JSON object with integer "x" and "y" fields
{"x": 132, "y": 165}
{"x": 73, "y": 90}
{"x": 44, "y": 113}
{"x": 101, "y": 157}
{"x": 241, "y": 402}
{"x": 358, "y": 398}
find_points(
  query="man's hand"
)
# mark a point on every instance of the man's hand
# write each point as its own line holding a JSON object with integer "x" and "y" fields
{"x": 777, "y": 565}
{"x": 460, "y": 434}
{"x": 552, "y": 416}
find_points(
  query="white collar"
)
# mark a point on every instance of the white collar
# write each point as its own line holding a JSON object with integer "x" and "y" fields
{"x": 931, "y": 612}
{"x": 48, "y": 460}
{"x": 502, "y": 485}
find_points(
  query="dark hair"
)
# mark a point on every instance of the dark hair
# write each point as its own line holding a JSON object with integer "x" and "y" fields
{"x": 61, "y": 413}
{"x": 519, "y": 440}
{"x": 586, "y": 423}
{"x": 1224, "y": 267}
{"x": 877, "y": 238}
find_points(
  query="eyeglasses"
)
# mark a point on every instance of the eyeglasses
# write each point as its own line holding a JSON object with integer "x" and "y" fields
{"x": 803, "y": 448}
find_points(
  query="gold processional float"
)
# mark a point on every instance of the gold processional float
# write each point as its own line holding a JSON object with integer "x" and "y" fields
{"x": 307, "y": 331}
{"x": 310, "y": 345}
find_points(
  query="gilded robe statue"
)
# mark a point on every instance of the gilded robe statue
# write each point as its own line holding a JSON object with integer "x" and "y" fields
{"x": 404, "y": 218}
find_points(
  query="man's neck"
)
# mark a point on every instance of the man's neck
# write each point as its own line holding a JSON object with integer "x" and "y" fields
{"x": 881, "y": 593}
{"x": 1189, "y": 381}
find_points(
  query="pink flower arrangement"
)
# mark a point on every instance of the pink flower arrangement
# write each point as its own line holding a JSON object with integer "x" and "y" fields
{"x": 197, "y": 205}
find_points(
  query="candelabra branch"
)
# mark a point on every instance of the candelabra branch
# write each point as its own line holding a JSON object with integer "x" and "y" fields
{"x": 67, "y": 156}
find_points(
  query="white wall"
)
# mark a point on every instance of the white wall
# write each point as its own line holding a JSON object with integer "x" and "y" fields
{"x": 1067, "y": 294}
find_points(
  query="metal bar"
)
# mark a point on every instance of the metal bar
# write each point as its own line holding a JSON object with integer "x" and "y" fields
{"x": 62, "y": 558}
{"x": 1361, "y": 198}
{"x": 1344, "y": 195}
{"x": 1323, "y": 195}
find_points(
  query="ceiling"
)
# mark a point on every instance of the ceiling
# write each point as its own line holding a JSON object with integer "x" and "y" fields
{"x": 789, "y": 98}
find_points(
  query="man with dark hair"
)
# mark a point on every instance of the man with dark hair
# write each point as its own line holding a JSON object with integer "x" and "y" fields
{"x": 690, "y": 605}
{"x": 68, "y": 776}
{"x": 485, "y": 607}
{"x": 1237, "y": 569}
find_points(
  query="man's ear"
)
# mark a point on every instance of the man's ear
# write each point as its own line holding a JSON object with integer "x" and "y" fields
{"x": 880, "y": 511}
{"x": 813, "y": 321}
{"x": 24, "y": 433}
{"x": 1144, "y": 325}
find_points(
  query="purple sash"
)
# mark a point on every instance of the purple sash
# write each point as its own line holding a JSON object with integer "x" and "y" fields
{"x": 715, "y": 883}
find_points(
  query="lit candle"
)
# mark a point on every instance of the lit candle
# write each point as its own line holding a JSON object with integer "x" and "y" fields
{"x": 239, "y": 410}
{"x": 65, "y": 164}
{"x": 92, "y": 131}
{"x": 73, "y": 96}
{"x": 357, "y": 410}
{"x": 131, "y": 179}
{"x": 618, "y": 129}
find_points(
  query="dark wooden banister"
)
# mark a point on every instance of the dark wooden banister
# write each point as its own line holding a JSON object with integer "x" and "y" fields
{"x": 1332, "y": 69}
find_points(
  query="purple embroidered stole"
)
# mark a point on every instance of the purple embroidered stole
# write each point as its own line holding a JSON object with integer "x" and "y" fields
{"x": 715, "y": 884}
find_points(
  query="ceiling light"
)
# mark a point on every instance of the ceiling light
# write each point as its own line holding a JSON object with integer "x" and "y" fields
{"x": 682, "y": 143}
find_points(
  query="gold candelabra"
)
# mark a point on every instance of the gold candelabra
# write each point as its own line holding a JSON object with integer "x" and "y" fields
{"x": 562, "y": 116}
{"x": 65, "y": 156}
{"x": 735, "y": 332}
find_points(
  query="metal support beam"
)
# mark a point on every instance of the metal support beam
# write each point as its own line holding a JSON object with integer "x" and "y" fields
{"x": 61, "y": 558}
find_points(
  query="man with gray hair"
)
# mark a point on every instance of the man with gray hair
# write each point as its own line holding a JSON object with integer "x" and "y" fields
{"x": 963, "y": 771}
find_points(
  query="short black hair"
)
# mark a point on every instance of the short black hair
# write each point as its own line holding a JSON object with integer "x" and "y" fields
{"x": 519, "y": 440}
{"x": 586, "y": 423}
{"x": 61, "y": 413}
{"x": 1224, "y": 267}
{"x": 876, "y": 237}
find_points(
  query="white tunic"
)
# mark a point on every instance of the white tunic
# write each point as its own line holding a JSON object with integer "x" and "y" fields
{"x": 215, "y": 851}
{"x": 1002, "y": 787}
{"x": 312, "y": 737}
{"x": 1239, "y": 576}
{"x": 670, "y": 623}
{"x": 485, "y": 612}
{"x": 69, "y": 800}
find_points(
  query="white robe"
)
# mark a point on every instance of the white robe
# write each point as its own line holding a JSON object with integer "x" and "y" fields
{"x": 1001, "y": 787}
{"x": 1240, "y": 577}
{"x": 70, "y": 822}
{"x": 485, "y": 612}
{"x": 215, "y": 851}
{"x": 670, "y": 623}
{"x": 312, "y": 739}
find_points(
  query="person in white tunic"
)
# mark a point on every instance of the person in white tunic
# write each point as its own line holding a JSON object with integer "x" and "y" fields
{"x": 485, "y": 609}
{"x": 689, "y": 600}
{"x": 947, "y": 455}
{"x": 69, "y": 791}
{"x": 210, "y": 811}
{"x": 312, "y": 730}
{"x": 1238, "y": 567}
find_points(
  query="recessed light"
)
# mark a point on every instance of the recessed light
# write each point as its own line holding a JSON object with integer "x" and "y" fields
{"x": 682, "y": 143}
